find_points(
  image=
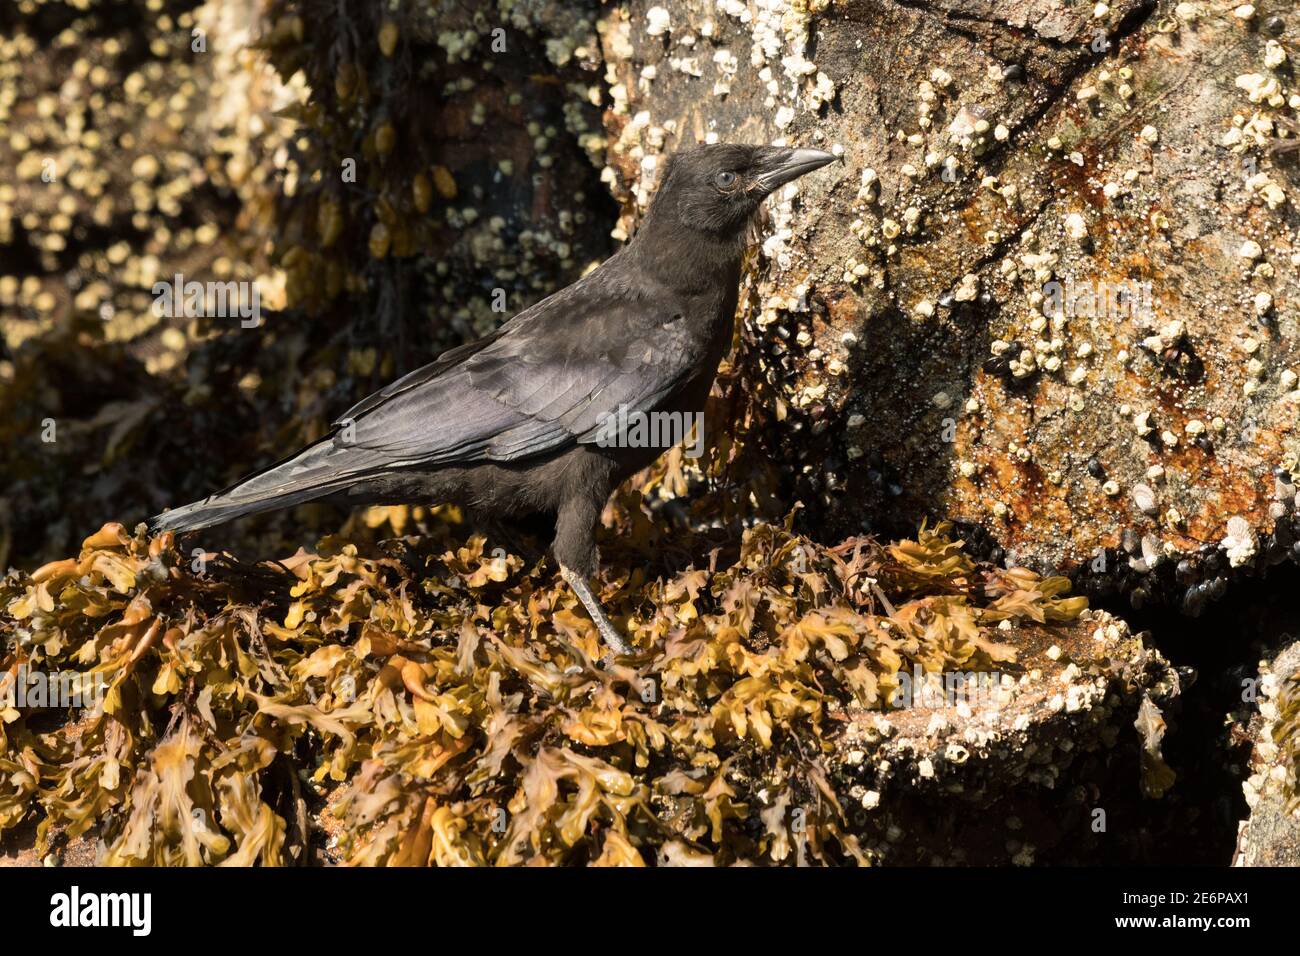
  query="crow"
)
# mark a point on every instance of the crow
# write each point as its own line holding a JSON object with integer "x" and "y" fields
{"x": 522, "y": 421}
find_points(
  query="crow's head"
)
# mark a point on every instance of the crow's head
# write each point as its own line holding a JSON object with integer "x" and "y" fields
{"x": 717, "y": 189}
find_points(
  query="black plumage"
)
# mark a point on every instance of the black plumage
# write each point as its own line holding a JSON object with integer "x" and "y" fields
{"x": 512, "y": 424}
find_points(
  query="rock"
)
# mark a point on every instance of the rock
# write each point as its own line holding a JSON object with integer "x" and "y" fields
{"x": 131, "y": 154}
{"x": 1028, "y": 774}
{"x": 1270, "y": 836}
{"x": 1111, "y": 171}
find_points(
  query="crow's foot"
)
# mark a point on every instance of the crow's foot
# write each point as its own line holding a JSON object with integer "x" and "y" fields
{"x": 608, "y": 632}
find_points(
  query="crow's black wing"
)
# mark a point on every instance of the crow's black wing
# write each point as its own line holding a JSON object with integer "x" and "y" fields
{"x": 424, "y": 373}
{"x": 548, "y": 378}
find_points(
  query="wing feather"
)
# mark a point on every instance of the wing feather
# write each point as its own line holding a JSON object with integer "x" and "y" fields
{"x": 548, "y": 378}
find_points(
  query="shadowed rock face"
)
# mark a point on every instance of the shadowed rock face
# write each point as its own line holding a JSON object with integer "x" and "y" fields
{"x": 1049, "y": 292}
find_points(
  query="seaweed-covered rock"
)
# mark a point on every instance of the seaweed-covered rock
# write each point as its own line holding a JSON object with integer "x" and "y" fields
{"x": 1037, "y": 298}
{"x": 1039, "y": 767}
{"x": 432, "y": 699}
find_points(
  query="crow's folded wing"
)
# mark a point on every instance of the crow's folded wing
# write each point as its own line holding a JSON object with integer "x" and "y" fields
{"x": 448, "y": 359}
{"x": 550, "y": 377}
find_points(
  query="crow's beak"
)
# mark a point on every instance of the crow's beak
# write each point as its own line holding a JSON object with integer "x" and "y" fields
{"x": 788, "y": 164}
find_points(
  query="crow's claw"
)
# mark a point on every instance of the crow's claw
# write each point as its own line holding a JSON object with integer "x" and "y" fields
{"x": 608, "y": 632}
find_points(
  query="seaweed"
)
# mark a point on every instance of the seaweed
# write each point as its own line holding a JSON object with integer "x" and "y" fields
{"x": 430, "y": 700}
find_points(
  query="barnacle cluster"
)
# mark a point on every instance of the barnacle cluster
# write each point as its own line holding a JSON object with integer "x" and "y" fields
{"x": 997, "y": 197}
{"x": 376, "y": 173}
{"x": 119, "y": 179}
{"x": 417, "y": 148}
{"x": 136, "y": 140}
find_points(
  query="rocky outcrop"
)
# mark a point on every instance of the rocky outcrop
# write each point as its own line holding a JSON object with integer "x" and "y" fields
{"x": 1270, "y": 836}
{"x": 1037, "y": 768}
{"x": 1049, "y": 290}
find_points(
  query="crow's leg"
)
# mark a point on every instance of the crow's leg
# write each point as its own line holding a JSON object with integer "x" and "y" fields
{"x": 608, "y": 632}
{"x": 575, "y": 549}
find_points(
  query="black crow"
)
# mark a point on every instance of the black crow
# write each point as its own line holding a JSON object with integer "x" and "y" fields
{"x": 533, "y": 417}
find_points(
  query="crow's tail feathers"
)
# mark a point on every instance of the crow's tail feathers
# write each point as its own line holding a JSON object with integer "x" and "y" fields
{"x": 308, "y": 475}
{"x": 218, "y": 509}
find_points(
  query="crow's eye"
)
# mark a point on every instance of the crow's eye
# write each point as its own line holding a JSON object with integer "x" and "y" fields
{"x": 725, "y": 179}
